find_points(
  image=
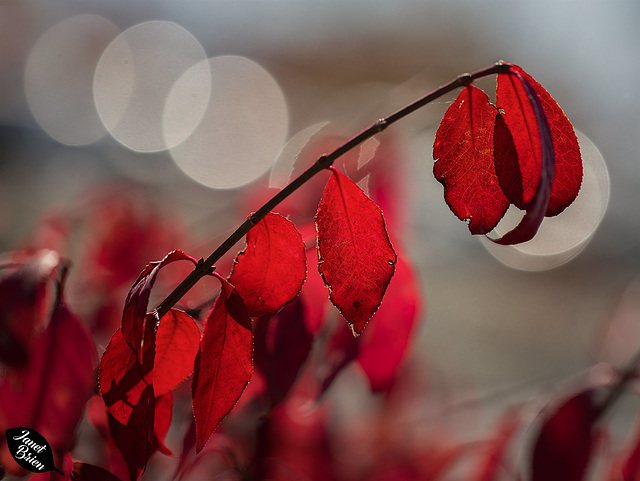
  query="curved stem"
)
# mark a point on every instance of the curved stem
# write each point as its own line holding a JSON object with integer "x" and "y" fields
{"x": 204, "y": 265}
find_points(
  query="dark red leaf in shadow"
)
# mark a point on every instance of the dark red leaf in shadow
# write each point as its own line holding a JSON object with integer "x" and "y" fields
{"x": 177, "y": 342}
{"x": 122, "y": 380}
{"x": 136, "y": 439}
{"x": 270, "y": 272}
{"x": 521, "y": 119}
{"x": 89, "y": 472}
{"x": 356, "y": 259}
{"x": 23, "y": 297}
{"x": 564, "y": 444}
{"x": 135, "y": 308}
{"x": 282, "y": 345}
{"x": 49, "y": 394}
{"x": 385, "y": 342}
{"x": 536, "y": 209}
{"x": 224, "y": 362}
{"x": 464, "y": 155}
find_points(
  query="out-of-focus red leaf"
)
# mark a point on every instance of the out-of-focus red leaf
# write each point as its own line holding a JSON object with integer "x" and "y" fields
{"x": 464, "y": 154}
{"x": 162, "y": 421}
{"x": 270, "y": 272}
{"x": 224, "y": 362}
{"x": 177, "y": 342}
{"x": 23, "y": 297}
{"x": 564, "y": 444}
{"x": 385, "y": 342}
{"x": 50, "y": 392}
{"x": 135, "y": 308}
{"x": 314, "y": 295}
{"x": 520, "y": 118}
{"x": 489, "y": 468}
{"x": 356, "y": 259}
{"x": 122, "y": 380}
{"x": 282, "y": 345}
{"x": 89, "y": 472}
{"x": 136, "y": 439}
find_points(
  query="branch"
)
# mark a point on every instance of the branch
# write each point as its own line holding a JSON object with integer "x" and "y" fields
{"x": 203, "y": 268}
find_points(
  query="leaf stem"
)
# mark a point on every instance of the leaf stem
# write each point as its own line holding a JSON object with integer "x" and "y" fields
{"x": 203, "y": 268}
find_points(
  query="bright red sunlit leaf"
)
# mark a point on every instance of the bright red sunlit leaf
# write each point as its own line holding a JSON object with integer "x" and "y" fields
{"x": 49, "y": 393}
{"x": 135, "y": 308}
{"x": 563, "y": 447}
{"x": 356, "y": 259}
{"x": 464, "y": 154}
{"x": 270, "y": 272}
{"x": 177, "y": 342}
{"x": 224, "y": 363}
{"x": 520, "y": 118}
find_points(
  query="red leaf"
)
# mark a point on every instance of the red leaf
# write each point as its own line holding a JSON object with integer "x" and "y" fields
{"x": 356, "y": 259}
{"x": 135, "y": 307}
{"x": 50, "y": 392}
{"x": 520, "y": 118}
{"x": 177, "y": 342}
{"x": 89, "y": 472}
{"x": 224, "y": 364}
{"x": 270, "y": 272}
{"x": 282, "y": 345}
{"x": 384, "y": 344}
{"x": 136, "y": 439}
{"x": 23, "y": 297}
{"x": 464, "y": 153}
{"x": 314, "y": 295}
{"x": 563, "y": 446}
{"x": 122, "y": 380}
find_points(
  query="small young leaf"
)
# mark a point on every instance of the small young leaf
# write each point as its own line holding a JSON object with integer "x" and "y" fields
{"x": 464, "y": 154}
{"x": 270, "y": 272}
{"x": 224, "y": 363}
{"x": 177, "y": 342}
{"x": 30, "y": 450}
{"x": 564, "y": 443}
{"x": 355, "y": 256}
{"x": 522, "y": 122}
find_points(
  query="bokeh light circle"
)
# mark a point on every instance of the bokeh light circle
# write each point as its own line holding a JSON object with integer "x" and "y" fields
{"x": 58, "y": 78}
{"x": 286, "y": 165}
{"x": 243, "y": 129}
{"x": 134, "y": 77}
{"x": 564, "y": 236}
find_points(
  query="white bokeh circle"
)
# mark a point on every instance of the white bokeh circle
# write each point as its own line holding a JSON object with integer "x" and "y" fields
{"x": 58, "y": 78}
{"x": 134, "y": 78}
{"x": 243, "y": 129}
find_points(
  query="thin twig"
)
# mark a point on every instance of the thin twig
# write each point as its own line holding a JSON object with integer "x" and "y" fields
{"x": 204, "y": 266}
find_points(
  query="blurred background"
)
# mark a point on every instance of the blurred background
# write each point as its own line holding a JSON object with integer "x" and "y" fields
{"x": 192, "y": 102}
